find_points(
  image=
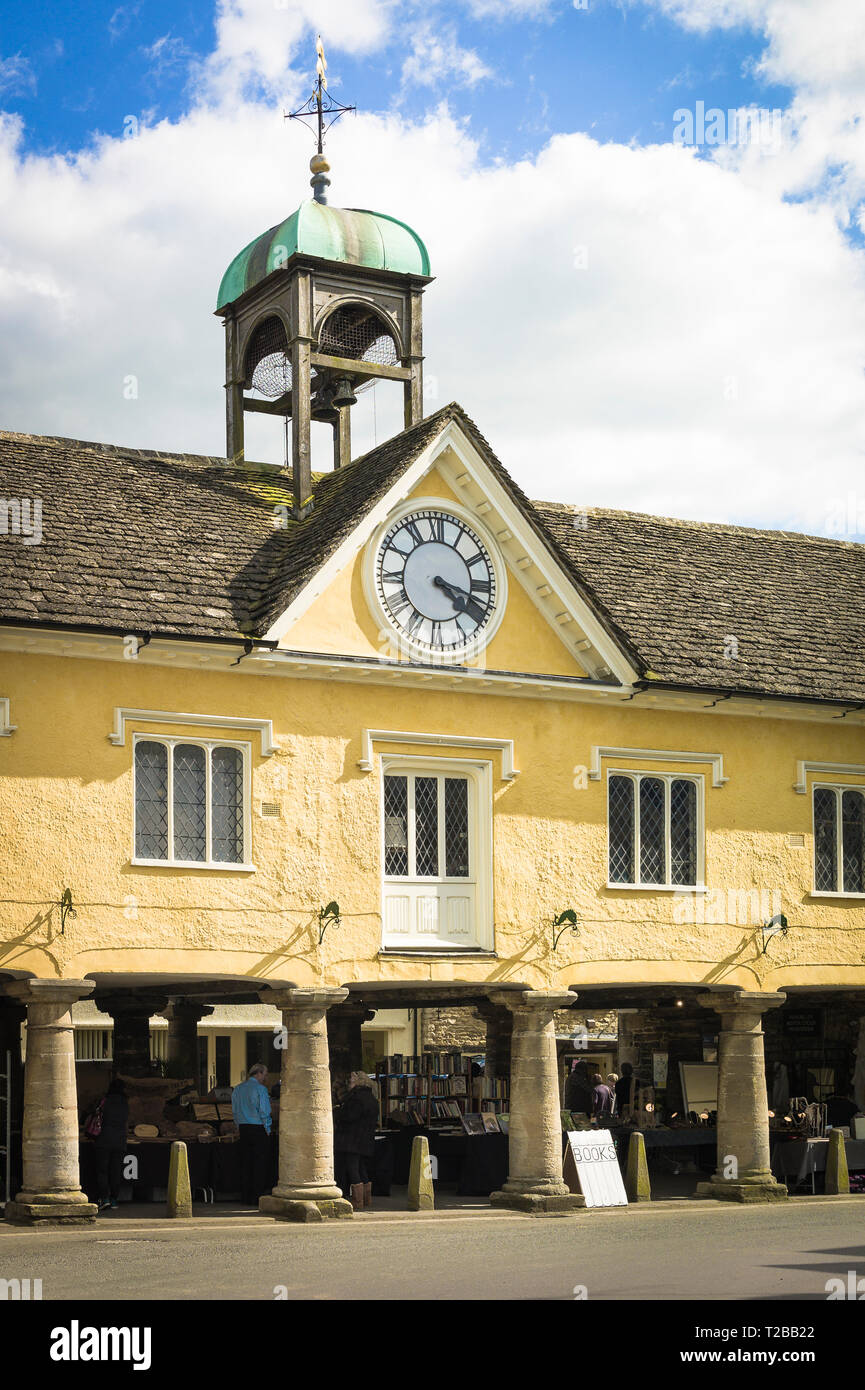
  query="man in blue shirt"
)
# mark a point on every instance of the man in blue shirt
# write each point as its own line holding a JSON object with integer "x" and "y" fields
{"x": 250, "y": 1106}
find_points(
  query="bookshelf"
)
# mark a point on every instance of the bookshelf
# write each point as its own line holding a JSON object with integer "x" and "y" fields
{"x": 497, "y": 1097}
{"x": 434, "y": 1087}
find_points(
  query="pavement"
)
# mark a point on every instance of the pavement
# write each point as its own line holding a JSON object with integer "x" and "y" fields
{"x": 663, "y": 1250}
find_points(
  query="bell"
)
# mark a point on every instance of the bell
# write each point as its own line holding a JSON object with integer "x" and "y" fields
{"x": 344, "y": 394}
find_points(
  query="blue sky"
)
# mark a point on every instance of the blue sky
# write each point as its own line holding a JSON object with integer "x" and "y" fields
{"x": 632, "y": 323}
{"x": 617, "y": 74}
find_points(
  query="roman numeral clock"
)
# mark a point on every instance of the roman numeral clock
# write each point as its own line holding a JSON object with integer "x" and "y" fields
{"x": 435, "y": 582}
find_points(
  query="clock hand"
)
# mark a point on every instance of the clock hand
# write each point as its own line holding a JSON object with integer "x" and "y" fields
{"x": 461, "y": 599}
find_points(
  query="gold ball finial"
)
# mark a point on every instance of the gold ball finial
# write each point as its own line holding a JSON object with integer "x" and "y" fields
{"x": 319, "y": 165}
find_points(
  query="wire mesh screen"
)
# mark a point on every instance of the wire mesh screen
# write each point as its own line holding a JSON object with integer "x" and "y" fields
{"x": 190, "y": 798}
{"x": 426, "y": 812}
{"x": 268, "y": 367}
{"x": 226, "y": 793}
{"x": 853, "y": 840}
{"x": 354, "y": 331}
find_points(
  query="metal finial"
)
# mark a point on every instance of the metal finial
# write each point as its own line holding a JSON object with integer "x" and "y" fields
{"x": 323, "y": 110}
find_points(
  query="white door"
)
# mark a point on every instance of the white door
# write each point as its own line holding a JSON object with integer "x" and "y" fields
{"x": 429, "y": 870}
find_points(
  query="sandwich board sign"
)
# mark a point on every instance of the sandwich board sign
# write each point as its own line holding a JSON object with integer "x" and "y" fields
{"x": 591, "y": 1167}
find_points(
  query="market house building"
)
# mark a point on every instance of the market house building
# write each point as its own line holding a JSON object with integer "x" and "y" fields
{"x": 234, "y": 696}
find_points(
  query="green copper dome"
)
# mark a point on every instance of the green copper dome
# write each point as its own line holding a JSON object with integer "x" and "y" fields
{"x": 351, "y": 235}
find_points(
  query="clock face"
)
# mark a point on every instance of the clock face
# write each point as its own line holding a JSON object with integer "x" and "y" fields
{"x": 435, "y": 580}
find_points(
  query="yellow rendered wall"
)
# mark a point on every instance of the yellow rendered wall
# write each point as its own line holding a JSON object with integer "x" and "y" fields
{"x": 66, "y": 816}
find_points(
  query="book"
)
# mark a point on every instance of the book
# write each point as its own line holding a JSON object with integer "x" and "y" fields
{"x": 473, "y": 1124}
{"x": 504, "y": 1122}
{"x": 490, "y": 1123}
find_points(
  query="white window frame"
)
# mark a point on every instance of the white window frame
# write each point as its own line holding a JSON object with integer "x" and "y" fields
{"x": 698, "y": 778}
{"x": 839, "y": 788}
{"x": 170, "y": 742}
{"x": 480, "y": 777}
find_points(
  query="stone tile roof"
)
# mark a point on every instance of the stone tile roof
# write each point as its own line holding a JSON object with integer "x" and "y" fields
{"x": 187, "y": 545}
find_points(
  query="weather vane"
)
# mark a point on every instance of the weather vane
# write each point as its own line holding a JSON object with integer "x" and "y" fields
{"x": 318, "y": 114}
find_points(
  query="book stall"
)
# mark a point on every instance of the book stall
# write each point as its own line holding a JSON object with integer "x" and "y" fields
{"x": 162, "y": 1110}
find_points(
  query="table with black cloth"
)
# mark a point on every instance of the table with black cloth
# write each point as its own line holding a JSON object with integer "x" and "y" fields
{"x": 214, "y": 1166}
{"x": 477, "y": 1164}
{"x": 800, "y": 1160}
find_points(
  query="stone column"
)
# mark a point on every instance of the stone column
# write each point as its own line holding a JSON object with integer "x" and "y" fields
{"x": 743, "y": 1173}
{"x": 131, "y": 1041}
{"x": 535, "y": 1133}
{"x": 181, "y": 1052}
{"x": 305, "y": 1115}
{"x": 51, "y": 1189}
{"x": 344, "y": 1040}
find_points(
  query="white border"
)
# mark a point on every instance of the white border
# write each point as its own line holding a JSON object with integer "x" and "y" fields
{"x": 170, "y": 741}
{"x": 7, "y": 728}
{"x": 417, "y": 651}
{"x": 208, "y": 721}
{"x": 803, "y": 767}
{"x": 658, "y": 755}
{"x": 481, "y": 773}
{"x": 504, "y": 745}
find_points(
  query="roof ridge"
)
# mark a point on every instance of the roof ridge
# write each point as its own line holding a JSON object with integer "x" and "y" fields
{"x": 575, "y": 508}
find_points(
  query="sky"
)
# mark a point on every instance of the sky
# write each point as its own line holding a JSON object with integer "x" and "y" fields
{"x": 645, "y": 299}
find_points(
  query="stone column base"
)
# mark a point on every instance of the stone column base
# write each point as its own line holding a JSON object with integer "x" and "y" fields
{"x": 44, "y": 1209}
{"x": 304, "y": 1208}
{"x": 768, "y": 1191}
{"x": 539, "y": 1203}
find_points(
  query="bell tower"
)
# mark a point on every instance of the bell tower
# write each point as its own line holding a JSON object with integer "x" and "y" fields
{"x": 316, "y": 309}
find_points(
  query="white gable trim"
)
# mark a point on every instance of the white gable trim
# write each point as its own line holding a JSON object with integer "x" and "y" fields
{"x": 552, "y": 592}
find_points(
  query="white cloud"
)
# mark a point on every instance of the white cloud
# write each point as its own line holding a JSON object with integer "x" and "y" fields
{"x": 703, "y": 357}
{"x": 436, "y": 57}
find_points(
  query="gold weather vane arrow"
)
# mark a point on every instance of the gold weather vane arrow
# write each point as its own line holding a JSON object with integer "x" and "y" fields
{"x": 321, "y": 63}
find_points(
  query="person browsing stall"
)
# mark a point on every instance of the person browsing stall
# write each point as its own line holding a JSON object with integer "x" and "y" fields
{"x": 250, "y": 1106}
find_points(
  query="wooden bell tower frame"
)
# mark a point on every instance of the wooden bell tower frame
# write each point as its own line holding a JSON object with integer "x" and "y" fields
{"x": 303, "y": 294}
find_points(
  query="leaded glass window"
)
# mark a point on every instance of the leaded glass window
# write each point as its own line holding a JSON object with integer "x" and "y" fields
{"x": 151, "y": 800}
{"x": 653, "y": 830}
{"x": 839, "y": 840}
{"x": 426, "y": 826}
{"x": 189, "y": 802}
{"x": 226, "y": 772}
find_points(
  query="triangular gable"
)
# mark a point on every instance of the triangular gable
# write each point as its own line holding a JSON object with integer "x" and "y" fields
{"x": 329, "y": 613}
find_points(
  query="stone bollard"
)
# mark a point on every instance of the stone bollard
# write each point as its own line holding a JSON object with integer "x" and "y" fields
{"x": 421, "y": 1196}
{"x": 837, "y": 1176}
{"x": 637, "y": 1185}
{"x": 179, "y": 1193}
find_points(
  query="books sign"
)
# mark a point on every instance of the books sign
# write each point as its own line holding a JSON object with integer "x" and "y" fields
{"x": 591, "y": 1167}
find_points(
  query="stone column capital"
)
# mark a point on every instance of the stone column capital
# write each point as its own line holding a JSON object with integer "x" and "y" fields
{"x": 186, "y": 1010}
{"x": 65, "y": 992}
{"x": 746, "y": 1004}
{"x": 532, "y": 1001}
{"x": 131, "y": 1006}
{"x": 309, "y": 1000}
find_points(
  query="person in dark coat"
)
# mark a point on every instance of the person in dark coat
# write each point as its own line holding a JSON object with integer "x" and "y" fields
{"x": 111, "y": 1145}
{"x": 578, "y": 1090}
{"x": 355, "y": 1123}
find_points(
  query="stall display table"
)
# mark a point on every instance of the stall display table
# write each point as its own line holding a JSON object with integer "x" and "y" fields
{"x": 799, "y": 1160}
{"x": 214, "y": 1168}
